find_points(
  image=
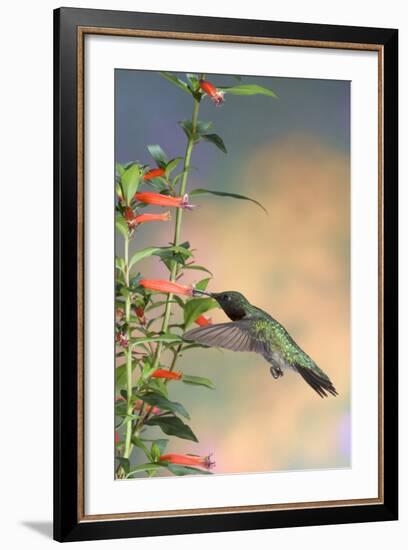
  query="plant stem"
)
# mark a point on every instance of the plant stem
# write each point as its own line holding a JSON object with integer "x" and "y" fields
{"x": 176, "y": 354}
{"x": 173, "y": 276}
{"x": 177, "y": 229}
{"x": 128, "y": 353}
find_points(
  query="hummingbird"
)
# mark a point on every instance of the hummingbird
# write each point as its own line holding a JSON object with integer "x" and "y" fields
{"x": 252, "y": 329}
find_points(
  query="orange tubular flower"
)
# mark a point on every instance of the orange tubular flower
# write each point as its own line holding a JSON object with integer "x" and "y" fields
{"x": 203, "y": 321}
{"x": 133, "y": 220}
{"x": 143, "y": 218}
{"x": 155, "y": 173}
{"x": 163, "y": 200}
{"x": 160, "y": 285}
{"x": 217, "y": 96}
{"x": 163, "y": 373}
{"x": 189, "y": 460}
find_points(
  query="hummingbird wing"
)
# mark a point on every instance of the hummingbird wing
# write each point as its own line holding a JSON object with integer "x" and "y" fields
{"x": 241, "y": 336}
{"x": 235, "y": 336}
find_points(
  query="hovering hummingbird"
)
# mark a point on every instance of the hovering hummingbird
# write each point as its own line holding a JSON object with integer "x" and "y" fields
{"x": 252, "y": 329}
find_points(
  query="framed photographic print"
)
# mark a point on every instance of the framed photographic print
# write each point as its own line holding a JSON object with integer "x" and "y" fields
{"x": 225, "y": 274}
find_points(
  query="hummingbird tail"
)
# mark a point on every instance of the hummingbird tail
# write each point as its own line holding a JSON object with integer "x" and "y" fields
{"x": 317, "y": 380}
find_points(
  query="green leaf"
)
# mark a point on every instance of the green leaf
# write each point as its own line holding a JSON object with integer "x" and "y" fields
{"x": 144, "y": 253}
{"x": 124, "y": 462}
{"x": 159, "y": 155}
{"x": 187, "y": 127}
{"x": 202, "y": 285}
{"x": 162, "y": 444}
{"x": 155, "y": 452}
{"x": 157, "y": 385}
{"x": 158, "y": 185}
{"x": 124, "y": 291}
{"x": 156, "y": 400}
{"x": 134, "y": 281}
{"x": 139, "y": 443}
{"x": 216, "y": 140}
{"x": 148, "y": 467}
{"x": 171, "y": 254}
{"x": 130, "y": 181}
{"x": 172, "y": 425}
{"x": 159, "y": 303}
{"x": 118, "y": 189}
{"x": 248, "y": 89}
{"x": 168, "y": 262}
{"x": 198, "y": 381}
{"x": 172, "y": 165}
{"x": 165, "y": 250}
{"x": 200, "y": 128}
{"x": 121, "y": 408}
{"x": 120, "y": 263}
{"x": 163, "y": 338}
{"x": 224, "y": 194}
{"x": 176, "y": 81}
{"x": 178, "y": 470}
{"x": 122, "y": 226}
{"x": 185, "y": 245}
{"x": 193, "y": 346}
{"x": 195, "y": 307}
{"x": 120, "y": 169}
{"x": 179, "y": 301}
{"x": 198, "y": 268}
{"x": 193, "y": 81}
{"x": 120, "y": 376}
{"x": 133, "y": 398}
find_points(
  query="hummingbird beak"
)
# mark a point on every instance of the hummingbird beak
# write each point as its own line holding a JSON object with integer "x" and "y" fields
{"x": 197, "y": 292}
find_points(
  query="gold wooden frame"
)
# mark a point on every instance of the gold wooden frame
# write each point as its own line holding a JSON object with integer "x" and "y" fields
{"x": 81, "y": 33}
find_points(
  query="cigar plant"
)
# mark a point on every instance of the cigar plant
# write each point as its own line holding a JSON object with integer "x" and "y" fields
{"x": 148, "y": 340}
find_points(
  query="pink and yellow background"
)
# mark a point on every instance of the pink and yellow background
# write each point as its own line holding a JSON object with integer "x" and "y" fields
{"x": 293, "y": 155}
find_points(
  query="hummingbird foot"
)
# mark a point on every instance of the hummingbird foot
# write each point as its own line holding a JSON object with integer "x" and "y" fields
{"x": 276, "y": 372}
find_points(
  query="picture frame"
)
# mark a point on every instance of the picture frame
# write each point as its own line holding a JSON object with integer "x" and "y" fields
{"x": 71, "y": 27}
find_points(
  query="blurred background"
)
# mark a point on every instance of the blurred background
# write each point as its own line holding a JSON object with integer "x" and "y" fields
{"x": 293, "y": 155}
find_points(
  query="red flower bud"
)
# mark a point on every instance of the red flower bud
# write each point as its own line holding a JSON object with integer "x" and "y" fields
{"x": 203, "y": 321}
{"x": 170, "y": 375}
{"x": 155, "y": 173}
{"x": 217, "y": 96}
